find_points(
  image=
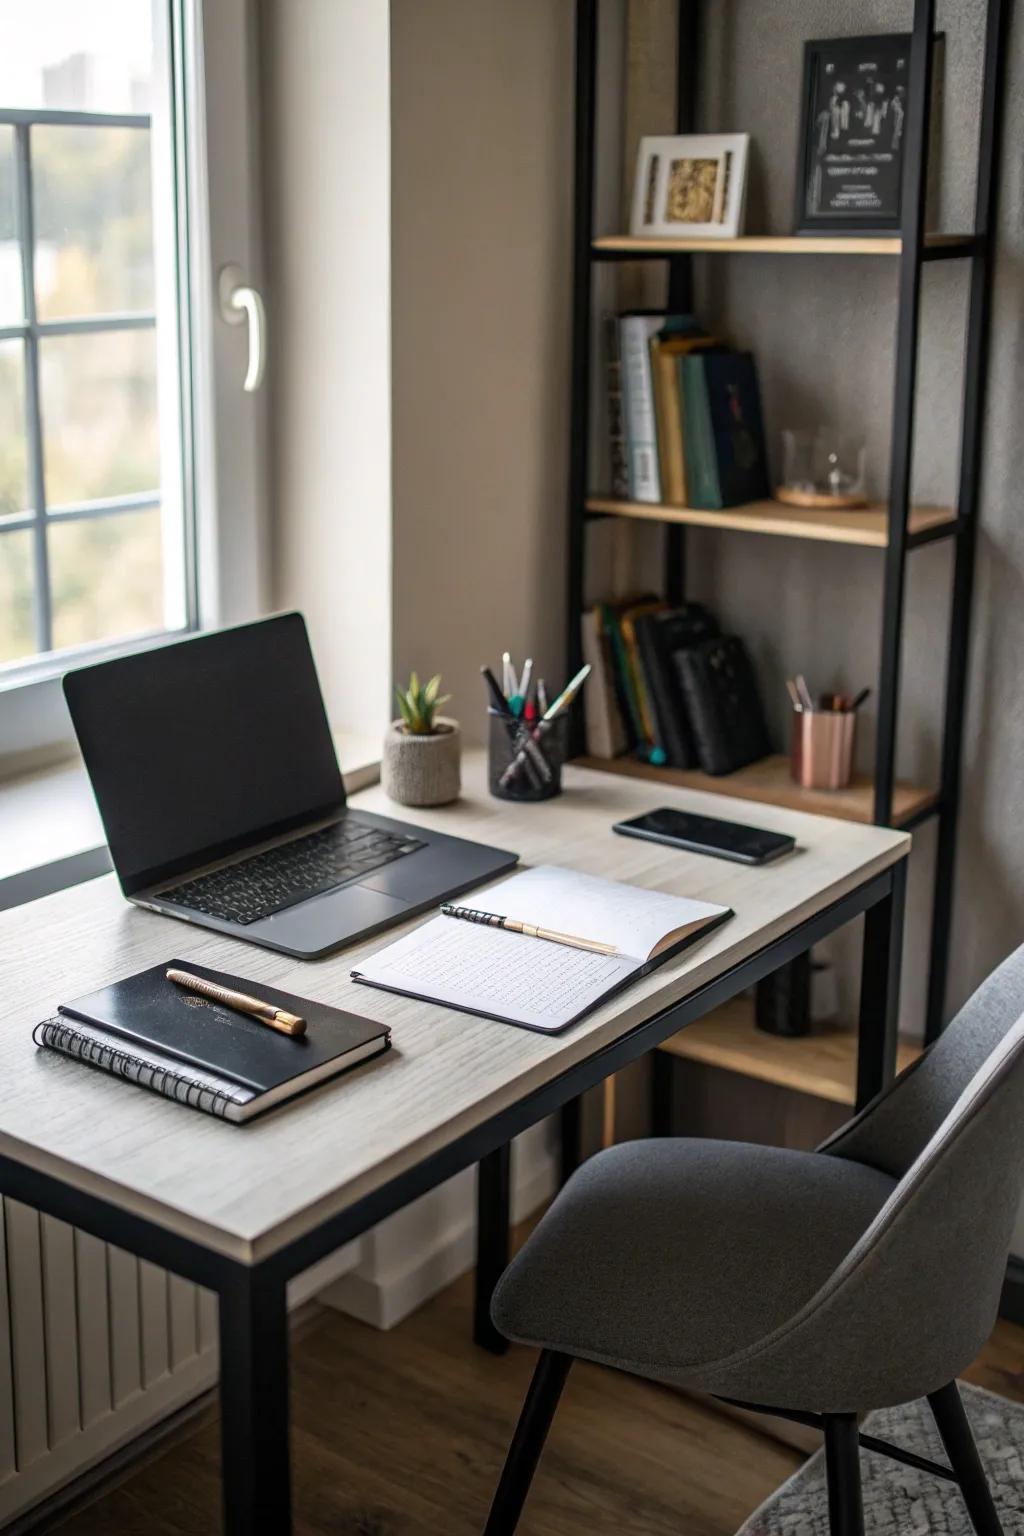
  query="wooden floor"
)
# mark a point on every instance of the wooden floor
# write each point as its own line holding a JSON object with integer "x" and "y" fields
{"x": 403, "y": 1434}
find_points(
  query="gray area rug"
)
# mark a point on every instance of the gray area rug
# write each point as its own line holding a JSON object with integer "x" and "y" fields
{"x": 899, "y": 1501}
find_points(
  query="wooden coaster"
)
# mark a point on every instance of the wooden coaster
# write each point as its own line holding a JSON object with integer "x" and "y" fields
{"x": 819, "y": 500}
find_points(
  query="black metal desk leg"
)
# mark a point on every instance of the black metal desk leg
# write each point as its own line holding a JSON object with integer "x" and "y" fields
{"x": 493, "y": 1215}
{"x": 570, "y": 1127}
{"x": 254, "y": 1404}
{"x": 880, "y": 989}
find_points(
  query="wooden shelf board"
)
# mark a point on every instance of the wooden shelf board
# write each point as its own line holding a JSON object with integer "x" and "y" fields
{"x": 777, "y": 245}
{"x": 823, "y": 1064}
{"x": 769, "y": 783}
{"x": 868, "y": 527}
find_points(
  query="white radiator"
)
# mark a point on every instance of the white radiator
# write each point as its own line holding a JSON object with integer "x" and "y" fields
{"x": 95, "y": 1347}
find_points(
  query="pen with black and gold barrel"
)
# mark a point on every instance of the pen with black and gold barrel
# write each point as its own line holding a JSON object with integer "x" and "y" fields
{"x": 267, "y": 1013}
{"x": 532, "y": 931}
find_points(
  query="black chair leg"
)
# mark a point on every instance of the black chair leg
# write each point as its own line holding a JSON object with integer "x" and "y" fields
{"x": 958, "y": 1441}
{"x": 528, "y": 1442}
{"x": 842, "y": 1465}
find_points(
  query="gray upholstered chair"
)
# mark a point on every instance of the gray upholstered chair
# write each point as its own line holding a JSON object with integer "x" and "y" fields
{"x": 819, "y": 1284}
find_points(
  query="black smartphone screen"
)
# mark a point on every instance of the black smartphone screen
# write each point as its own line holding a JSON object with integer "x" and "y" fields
{"x": 706, "y": 834}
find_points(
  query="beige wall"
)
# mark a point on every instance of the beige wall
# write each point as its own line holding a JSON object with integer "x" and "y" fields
{"x": 327, "y": 159}
{"x": 481, "y": 230}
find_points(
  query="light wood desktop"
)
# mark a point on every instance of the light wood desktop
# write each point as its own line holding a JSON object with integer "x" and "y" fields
{"x": 226, "y": 1205}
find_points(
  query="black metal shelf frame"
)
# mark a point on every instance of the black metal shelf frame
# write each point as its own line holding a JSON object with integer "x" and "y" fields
{"x": 977, "y": 252}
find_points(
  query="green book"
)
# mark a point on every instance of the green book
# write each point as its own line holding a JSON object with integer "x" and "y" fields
{"x": 703, "y": 489}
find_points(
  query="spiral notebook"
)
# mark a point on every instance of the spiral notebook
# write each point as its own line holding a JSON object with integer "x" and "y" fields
{"x": 533, "y": 982}
{"x": 150, "y": 1032}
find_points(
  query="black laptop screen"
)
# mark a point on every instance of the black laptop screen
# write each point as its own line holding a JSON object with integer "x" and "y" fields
{"x": 200, "y": 748}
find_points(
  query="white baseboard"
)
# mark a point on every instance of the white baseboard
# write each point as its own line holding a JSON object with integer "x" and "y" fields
{"x": 412, "y": 1256}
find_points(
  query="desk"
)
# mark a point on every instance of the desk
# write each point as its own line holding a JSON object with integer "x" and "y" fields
{"x": 242, "y": 1210}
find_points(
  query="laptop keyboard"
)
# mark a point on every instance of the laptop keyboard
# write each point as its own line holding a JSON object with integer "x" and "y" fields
{"x": 292, "y": 872}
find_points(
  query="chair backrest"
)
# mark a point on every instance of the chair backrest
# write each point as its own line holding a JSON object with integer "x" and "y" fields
{"x": 914, "y": 1300}
{"x": 892, "y": 1130}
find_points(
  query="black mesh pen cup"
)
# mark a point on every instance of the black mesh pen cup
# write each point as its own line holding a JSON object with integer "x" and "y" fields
{"x": 524, "y": 762}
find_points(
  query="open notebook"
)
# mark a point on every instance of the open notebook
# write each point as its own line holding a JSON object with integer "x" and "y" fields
{"x": 533, "y": 982}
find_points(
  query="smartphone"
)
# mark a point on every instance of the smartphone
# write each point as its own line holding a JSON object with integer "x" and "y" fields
{"x": 706, "y": 834}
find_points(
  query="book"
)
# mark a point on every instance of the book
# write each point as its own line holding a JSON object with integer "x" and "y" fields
{"x": 723, "y": 429}
{"x": 701, "y": 480}
{"x": 639, "y": 738}
{"x": 153, "y": 1033}
{"x": 660, "y": 637}
{"x": 621, "y": 682}
{"x": 635, "y": 332}
{"x": 734, "y": 407}
{"x": 533, "y": 982}
{"x": 618, "y": 457}
{"x": 723, "y": 704}
{"x": 606, "y": 735}
{"x": 648, "y": 743}
{"x": 666, "y": 349}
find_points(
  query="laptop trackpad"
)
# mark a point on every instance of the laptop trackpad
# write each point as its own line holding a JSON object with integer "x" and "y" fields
{"x": 330, "y": 919}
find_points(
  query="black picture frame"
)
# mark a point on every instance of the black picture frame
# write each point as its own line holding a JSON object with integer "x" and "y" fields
{"x": 871, "y": 168}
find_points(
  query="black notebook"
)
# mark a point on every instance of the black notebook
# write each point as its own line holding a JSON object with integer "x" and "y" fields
{"x": 147, "y": 1029}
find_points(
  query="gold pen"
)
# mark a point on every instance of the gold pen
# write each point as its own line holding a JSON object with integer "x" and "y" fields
{"x": 276, "y": 1018}
{"x": 513, "y": 925}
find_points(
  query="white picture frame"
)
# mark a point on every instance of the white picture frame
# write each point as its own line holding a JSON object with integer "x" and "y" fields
{"x": 690, "y": 186}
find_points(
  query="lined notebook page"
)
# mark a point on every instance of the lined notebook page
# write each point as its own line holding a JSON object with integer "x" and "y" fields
{"x": 489, "y": 971}
{"x": 632, "y": 919}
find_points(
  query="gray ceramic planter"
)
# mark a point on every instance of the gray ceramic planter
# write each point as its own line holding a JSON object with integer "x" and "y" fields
{"x": 422, "y": 770}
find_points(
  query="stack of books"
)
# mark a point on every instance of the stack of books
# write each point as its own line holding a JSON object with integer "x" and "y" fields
{"x": 684, "y": 415}
{"x": 669, "y": 688}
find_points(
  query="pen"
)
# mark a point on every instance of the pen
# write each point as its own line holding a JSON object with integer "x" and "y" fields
{"x": 542, "y": 695}
{"x": 267, "y": 1013}
{"x": 567, "y": 694}
{"x": 498, "y": 699}
{"x": 513, "y": 925}
{"x": 506, "y": 674}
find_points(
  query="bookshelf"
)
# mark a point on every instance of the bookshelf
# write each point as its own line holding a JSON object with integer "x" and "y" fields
{"x": 823, "y": 1064}
{"x": 769, "y": 781}
{"x": 868, "y": 527}
{"x": 895, "y": 527}
{"x": 629, "y": 247}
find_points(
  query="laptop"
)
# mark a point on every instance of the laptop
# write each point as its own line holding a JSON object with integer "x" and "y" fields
{"x": 217, "y": 780}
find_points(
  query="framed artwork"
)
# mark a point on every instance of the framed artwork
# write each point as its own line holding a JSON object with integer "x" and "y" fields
{"x": 852, "y": 134}
{"x": 690, "y": 186}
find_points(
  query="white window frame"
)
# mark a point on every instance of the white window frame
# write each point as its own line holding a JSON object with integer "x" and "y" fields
{"x": 212, "y": 45}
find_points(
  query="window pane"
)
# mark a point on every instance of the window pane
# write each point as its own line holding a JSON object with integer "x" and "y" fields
{"x": 17, "y": 636}
{"x": 11, "y": 300}
{"x": 100, "y": 431}
{"x": 93, "y": 220}
{"x": 106, "y": 577}
{"x": 75, "y": 56}
{"x": 13, "y": 451}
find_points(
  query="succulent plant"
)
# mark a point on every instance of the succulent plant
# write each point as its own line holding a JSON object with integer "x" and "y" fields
{"x": 419, "y": 704}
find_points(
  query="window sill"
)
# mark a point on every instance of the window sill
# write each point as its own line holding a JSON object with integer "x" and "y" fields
{"x": 51, "y": 836}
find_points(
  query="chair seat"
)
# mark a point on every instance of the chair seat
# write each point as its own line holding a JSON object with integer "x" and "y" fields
{"x": 662, "y": 1257}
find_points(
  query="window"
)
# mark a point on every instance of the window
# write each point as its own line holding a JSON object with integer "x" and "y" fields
{"x": 133, "y": 483}
{"x": 94, "y": 543}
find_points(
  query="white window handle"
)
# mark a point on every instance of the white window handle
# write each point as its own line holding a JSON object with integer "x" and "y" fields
{"x": 238, "y": 302}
